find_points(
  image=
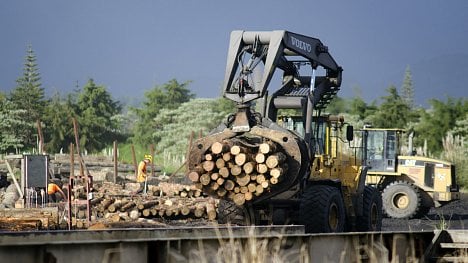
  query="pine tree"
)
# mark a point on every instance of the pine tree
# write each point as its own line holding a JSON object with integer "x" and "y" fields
{"x": 58, "y": 126}
{"x": 95, "y": 110}
{"x": 393, "y": 112}
{"x": 407, "y": 89}
{"x": 28, "y": 98}
{"x": 10, "y": 125}
{"x": 167, "y": 96}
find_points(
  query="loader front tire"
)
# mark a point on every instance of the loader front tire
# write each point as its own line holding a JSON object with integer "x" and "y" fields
{"x": 322, "y": 210}
{"x": 230, "y": 213}
{"x": 371, "y": 219}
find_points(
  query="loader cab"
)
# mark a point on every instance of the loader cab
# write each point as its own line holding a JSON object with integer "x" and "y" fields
{"x": 322, "y": 127}
{"x": 382, "y": 149}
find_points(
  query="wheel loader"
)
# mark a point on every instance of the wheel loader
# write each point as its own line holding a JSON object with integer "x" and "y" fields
{"x": 410, "y": 184}
{"x": 268, "y": 168}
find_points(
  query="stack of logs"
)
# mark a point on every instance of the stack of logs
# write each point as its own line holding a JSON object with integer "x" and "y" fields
{"x": 239, "y": 173}
{"x": 111, "y": 203}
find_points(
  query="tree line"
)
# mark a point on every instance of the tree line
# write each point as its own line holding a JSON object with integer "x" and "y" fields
{"x": 396, "y": 109}
{"x": 101, "y": 119}
{"x": 170, "y": 112}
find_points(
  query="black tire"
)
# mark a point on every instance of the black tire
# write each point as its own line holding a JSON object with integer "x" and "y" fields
{"x": 322, "y": 210}
{"x": 371, "y": 219}
{"x": 426, "y": 204}
{"x": 401, "y": 200}
{"x": 230, "y": 213}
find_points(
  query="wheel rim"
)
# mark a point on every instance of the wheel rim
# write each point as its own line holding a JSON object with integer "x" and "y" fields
{"x": 333, "y": 217}
{"x": 401, "y": 200}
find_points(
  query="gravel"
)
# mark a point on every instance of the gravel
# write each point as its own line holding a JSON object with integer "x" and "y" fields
{"x": 453, "y": 215}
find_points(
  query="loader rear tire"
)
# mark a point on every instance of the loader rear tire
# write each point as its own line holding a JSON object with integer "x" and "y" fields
{"x": 371, "y": 219}
{"x": 322, "y": 210}
{"x": 230, "y": 213}
{"x": 401, "y": 199}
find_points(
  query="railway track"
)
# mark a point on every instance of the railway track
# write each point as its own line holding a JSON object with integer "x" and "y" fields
{"x": 232, "y": 244}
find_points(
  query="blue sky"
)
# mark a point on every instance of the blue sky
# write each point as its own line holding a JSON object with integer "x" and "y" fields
{"x": 131, "y": 46}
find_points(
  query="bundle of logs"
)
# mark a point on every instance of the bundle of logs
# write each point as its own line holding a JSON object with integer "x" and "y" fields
{"x": 238, "y": 172}
{"x": 112, "y": 203}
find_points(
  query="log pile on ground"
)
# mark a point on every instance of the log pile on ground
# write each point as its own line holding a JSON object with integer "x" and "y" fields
{"x": 238, "y": 172}
{"x": 112, "y": 203}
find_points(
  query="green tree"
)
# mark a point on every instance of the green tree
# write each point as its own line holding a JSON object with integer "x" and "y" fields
{"x": 176, "y": 125}
{"x": 337, "y": 105}
{"x": 95, "y": 110}
{"x": 58, "y": 126}
{"x": 11, "y": 125}
{"x": 28, "y": 98}
{"x": 167, "y": 96}
{"x": 407, "y": 89}
{"x": 393, "y": 112}
{"x": 438, "y": 120}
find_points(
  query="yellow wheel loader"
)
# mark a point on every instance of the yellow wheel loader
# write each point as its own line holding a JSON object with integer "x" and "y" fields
{"x": 410, "y": 185}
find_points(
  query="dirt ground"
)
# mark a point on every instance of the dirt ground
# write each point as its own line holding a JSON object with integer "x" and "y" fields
{"x": 453, "y": 215}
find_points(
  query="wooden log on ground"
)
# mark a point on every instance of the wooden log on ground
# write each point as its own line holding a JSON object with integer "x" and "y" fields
{"x": 127, "y": 206}
{"x": 114, "y": 207}
{"x": 105, "y": 204}
{"x": 210, "y": 211}
{"x": 199, "y": 211}
{"x": 154, "y": 211}
{"x": 134, "y": 214}
{"x": 96, "y": 200}
{"x": 185, "y": 210}
{"x": 146, "y": 212}
{"x": 20, "y": 224}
